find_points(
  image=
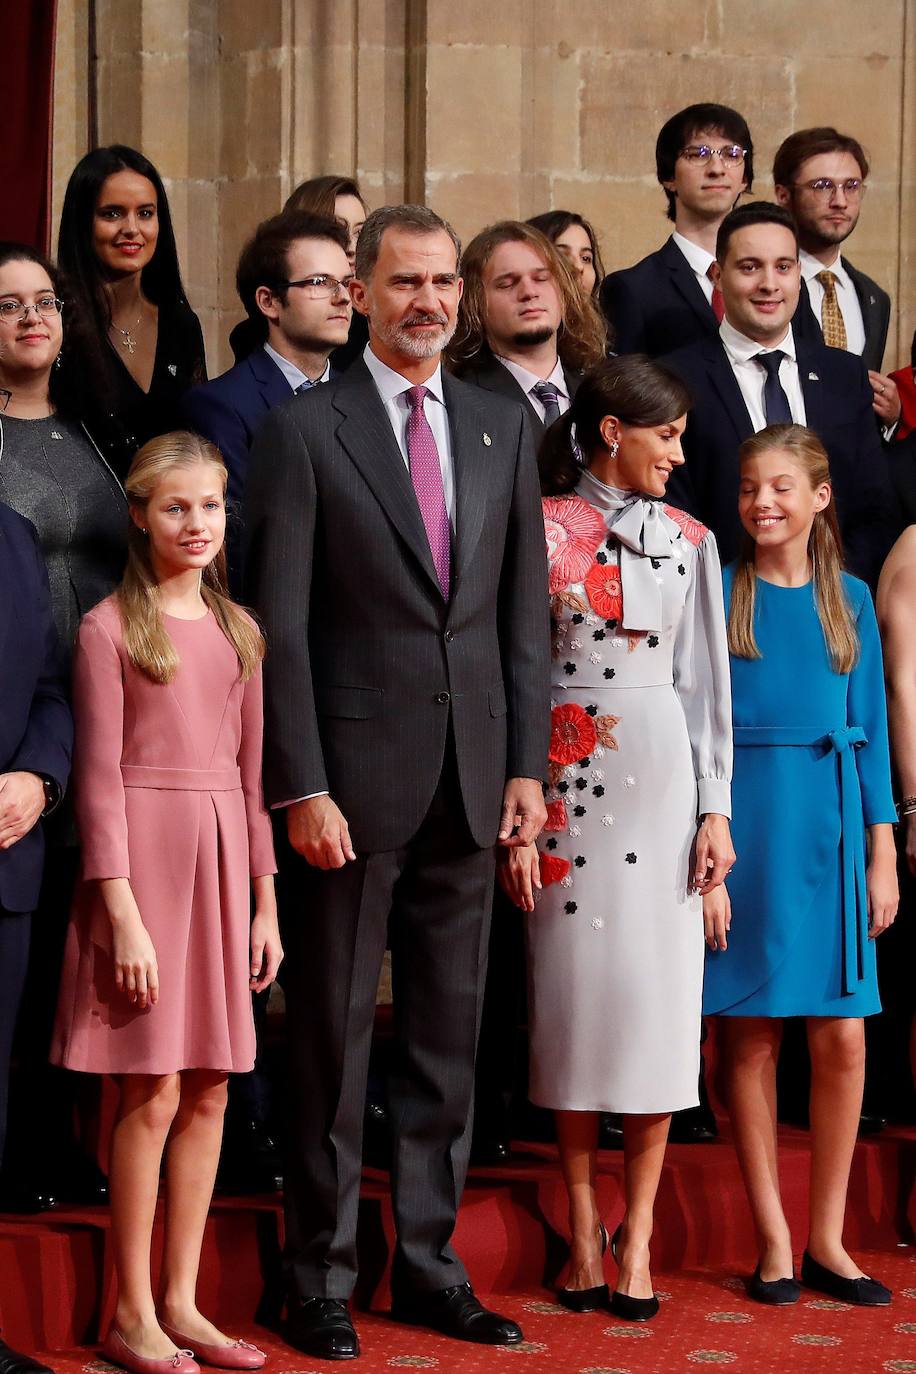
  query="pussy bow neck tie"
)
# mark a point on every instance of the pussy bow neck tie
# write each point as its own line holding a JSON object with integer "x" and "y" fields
{"x": 644, "y": 532}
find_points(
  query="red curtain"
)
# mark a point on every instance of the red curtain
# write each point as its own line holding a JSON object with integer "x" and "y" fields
{"x": 27, "y": 29}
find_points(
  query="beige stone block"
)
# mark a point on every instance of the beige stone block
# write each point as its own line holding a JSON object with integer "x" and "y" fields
{"x": 625, "y": 101}
{"x": 550, "y": 92}
{"x": 471, "y": 201}
{"x": 233, "y": 102}
{"x": 166, "y": 100}
{"x": 474, "y": 109}
{"x": 822, "y": 28}
{"x": 860, "y": 97}
{"x": 480, "y": 22}
{"x": 241, "y": 207}
{"x": 71, "y": 104}
{"x": 659, "y": 26}
{"x": 119, "y": 27}
{"x": 267, "y": 135}
{"x": 324, "y": 106}
{"x": 202, "y": 243}
{"x": 628, "y": 216}
{"x": 164, "y": 26}
{"x": 245, "y": 25}
{"x": 322, "y": 24}
{"x": 119, "y": 98}
{"x": 372, "y": 108}
{"x": 383, "y": 24}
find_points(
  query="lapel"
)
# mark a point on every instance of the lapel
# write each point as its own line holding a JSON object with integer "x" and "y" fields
{"x": 365, "y": 434}
{"x": 492, "y": 376}
{"x": 6, "y": 604}
{"x": 813, "y": 365}
{"x": 467, "y": 422}
{"x": 572, "y": 379}
{"x": 870, "y": 306}
{"x": 271, "y": 384}
{"x": 684, "y": 281}
{"x": 725, "y": 386}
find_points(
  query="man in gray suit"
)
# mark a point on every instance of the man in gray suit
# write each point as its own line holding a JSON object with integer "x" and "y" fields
{"x": 396, "y": 556}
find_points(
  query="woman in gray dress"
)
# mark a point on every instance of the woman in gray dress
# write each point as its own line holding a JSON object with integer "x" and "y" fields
{"x": 638, "y": 800}
{"x": 52, "y": 473}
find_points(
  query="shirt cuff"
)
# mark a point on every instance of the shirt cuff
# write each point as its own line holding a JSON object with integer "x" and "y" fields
{"x": 280, "y": 806}
{"x": 714, "y": 795}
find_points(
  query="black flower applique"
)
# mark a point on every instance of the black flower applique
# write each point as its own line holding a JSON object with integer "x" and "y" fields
{"x": 563, "y": 786}
{"x": 656, "y": 563}
{"x": 598, "y": 791}
{"x": 681, "y": 569}
{"x": 631, "y": 857}
{"x": 578, "y": 618}
{"x": 569, "y": 668}
{"x": 584, "y": 763}
{"x": 578, "y": 810}
{"x": 579, "y": 861}
{"x": 599, "y": 634}
{"x": 570, "y": 908}
{"x": 652, "y": 641}
{"x": 552, "y": 842}
{"x": 609, "y": 542}
{"x": 591, "y": 710}
{"x": 600, "y": 557}
{"x": 609, "y": 673}
{"x": 580, "y": 783}
{"x": 610, "y": 625}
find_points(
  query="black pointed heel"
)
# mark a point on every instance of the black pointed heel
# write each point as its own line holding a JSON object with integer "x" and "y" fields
{"x": 621, "y": 1304}
{"x": 587, "y": 1299}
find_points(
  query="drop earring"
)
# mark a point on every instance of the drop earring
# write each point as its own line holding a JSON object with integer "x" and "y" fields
{"x": 613, "y": 449}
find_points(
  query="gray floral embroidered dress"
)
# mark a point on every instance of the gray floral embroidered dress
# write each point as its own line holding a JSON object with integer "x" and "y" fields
{"x": 640, "y": 746}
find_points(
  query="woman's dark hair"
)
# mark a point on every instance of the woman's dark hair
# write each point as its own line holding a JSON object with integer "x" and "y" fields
{"x": 319, "y": 195}
{"x": 62, "y": 392}
{"x": 553, "y": 225}
{"x": 76, "y": 255}
{"x": 637, "y": 390}
{"x": 677, "y": 132}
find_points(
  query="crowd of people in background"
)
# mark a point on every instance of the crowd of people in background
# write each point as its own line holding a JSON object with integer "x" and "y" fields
{"x": 514, "y": 723}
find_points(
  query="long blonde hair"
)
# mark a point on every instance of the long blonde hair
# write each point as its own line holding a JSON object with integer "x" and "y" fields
{"x": 825, "y": 550}
{"x": 149, "y": 647}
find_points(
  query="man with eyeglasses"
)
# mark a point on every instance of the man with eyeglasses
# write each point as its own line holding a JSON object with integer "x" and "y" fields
{"x": 704, "y": 161}
{"x": 293, "y": 280}
{"x": 820, "y": 176}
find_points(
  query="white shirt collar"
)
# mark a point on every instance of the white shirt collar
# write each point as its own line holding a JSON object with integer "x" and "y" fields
{"x": 741, "y": 349}
{"x": 527, "y": 380}
{"x": 810, "y": 267}
{"x": 291, "y": 372}
{"x": 700, "y": 259}
{"x": 392, "y": 384}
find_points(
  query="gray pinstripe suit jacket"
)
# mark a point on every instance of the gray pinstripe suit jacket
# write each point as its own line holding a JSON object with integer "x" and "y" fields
{"x": 366, "y": 661}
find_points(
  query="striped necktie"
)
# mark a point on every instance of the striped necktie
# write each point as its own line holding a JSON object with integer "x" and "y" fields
{"x": 549, "y": 397}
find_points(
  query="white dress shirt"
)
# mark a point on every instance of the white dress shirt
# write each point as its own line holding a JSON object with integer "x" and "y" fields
{"x": 846, "y": 296}
{"x": 751, "y": 377}
{"x": 292, "y": 373}
{"x": 528, "y": 380}
{"x": 393, "y": 388}
{"x": 699, "y": 259}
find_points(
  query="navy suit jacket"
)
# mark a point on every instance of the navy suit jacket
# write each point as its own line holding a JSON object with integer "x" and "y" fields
{"x": 838, "y": 406}
{"x": 658, "y": 305}
{"x": 875, "y": 305}
{"x": 36, "y": 730}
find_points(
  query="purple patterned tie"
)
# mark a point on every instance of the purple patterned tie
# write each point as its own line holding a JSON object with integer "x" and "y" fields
{"x": 426, "y": 475}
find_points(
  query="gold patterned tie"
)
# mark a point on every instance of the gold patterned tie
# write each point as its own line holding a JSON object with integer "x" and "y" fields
{"x": 831, "y": 316}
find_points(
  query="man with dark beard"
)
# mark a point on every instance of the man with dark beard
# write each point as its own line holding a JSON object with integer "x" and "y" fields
{"x": 396, "y": 557}
{"x": 525, "y": 330}
{"x": 820, "y": 177}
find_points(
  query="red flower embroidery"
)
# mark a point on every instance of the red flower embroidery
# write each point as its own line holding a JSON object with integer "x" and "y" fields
{"x": 557, "y": 818}
{"x": 553, "y": 868}
{"x": 572, "y": 733}
{"x": 602, "y": 586}
{"x": 573, "y": 530}
{"x": 690, "y": 528}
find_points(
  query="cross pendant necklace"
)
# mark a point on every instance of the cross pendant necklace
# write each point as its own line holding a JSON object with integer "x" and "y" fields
{"x": 127, "y": 339}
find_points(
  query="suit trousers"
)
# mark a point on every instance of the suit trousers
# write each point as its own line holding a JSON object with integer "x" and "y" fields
{"x": 15, "y": 929}
{"x": 431, "y": 902}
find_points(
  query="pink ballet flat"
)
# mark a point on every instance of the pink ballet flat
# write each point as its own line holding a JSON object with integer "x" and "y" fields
{"x": 116, "y": 1349}
{"x": 235, "y": 1355}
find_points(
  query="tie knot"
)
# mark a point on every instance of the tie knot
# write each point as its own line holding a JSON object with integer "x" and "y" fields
{"x": 827, "y": 280}
{"x": 710, "y": 271}
{"x": 416, "y": 396}
{"x": 305, "y": 386}
{"x": 545, "y": 391}
{"x": 770, "y": 361}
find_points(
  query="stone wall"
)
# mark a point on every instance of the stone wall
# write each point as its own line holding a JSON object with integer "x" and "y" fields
{"x": 485, "y": 108}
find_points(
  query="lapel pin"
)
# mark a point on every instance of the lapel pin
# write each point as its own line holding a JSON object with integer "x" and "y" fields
{"x": 813, "y": 377}
{"x": 55, "y": 435}
{"x": 486, "y": 438}
{"x": 173, "y": 368}
{"x": 871, "y": 300}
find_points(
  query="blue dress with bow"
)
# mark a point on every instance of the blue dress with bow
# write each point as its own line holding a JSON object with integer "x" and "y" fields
{"x": 812, "y": 770}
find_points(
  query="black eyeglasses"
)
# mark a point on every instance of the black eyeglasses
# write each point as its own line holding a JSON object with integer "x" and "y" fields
{"x": 730, "y": 153}
{"x": 320, "y": 287}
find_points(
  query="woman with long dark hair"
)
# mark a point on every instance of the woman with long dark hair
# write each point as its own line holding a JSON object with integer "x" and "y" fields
{"x": 143, "y": 346}
{"x": 576, "y": 239}
{"x": 637, "y": 803}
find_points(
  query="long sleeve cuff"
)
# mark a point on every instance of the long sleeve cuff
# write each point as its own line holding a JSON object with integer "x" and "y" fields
{"x": 714, "y": 795}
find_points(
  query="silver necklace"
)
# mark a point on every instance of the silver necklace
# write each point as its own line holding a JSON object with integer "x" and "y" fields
{"x": 127, "y": 339}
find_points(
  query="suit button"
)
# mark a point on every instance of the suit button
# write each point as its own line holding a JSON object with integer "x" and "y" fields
{"x": 449, "y": 636}
{"x": 443, "y": 698}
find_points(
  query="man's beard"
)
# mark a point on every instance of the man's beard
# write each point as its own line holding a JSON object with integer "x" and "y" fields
{"x": 533, "y": 337}
{"x": 401, "y": 339}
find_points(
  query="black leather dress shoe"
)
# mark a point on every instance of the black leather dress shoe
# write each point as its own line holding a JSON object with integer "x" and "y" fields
{"x": 24, "y": 1199}
{"x": 250, "y": 1161}
{"x": 610, "y": 1131}
{"x": 864, "y": 1292}
{"x": 12, "y": 1362}
{"x": 487, "y": 1151}
{"x": 457, "y": 1312}
{"x": 81, "y": 1182}
{"x": 773, "y": 1292}
{"x": 322, "y": 1327}
{"x": 693, "y": 1126}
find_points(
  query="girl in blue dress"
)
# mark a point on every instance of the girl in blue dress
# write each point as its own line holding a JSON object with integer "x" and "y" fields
{"x": 815, "y": 880}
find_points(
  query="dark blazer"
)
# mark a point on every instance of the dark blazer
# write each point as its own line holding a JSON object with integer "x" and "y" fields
{"x": 229, "y": 410}
{"x": 876, "y": 314}
{"x": 838, "y": 408}
{"x": 36, "y": 731}
{"x": 488, "y": 372}
{"x": 656, "y": 306}
{"x": 368, "y": 667}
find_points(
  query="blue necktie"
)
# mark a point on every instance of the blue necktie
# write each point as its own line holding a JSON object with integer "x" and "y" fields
{"x": 775, "y": 401}
{"x": 304, "y": 386}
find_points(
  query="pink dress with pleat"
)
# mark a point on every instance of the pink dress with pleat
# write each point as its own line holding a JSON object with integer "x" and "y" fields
{"x": 168, "y": 794}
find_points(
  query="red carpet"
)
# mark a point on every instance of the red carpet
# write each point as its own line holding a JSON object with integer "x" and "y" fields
{"x": 56, "y": 1287}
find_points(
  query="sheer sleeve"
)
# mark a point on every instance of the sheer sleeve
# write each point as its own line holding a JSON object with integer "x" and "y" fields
{"x": 702, "y": 682}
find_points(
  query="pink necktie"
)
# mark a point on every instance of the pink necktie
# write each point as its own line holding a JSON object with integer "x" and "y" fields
{"x": 426, "y": 475}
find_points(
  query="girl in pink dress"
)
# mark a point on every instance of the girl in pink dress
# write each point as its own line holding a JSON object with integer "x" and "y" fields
{"x": 162, "y": 952}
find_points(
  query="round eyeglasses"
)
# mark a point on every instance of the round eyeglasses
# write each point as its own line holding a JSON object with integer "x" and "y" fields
{"x": 17, "y": 310}
{"x": 730, "y": 154}
{"x": 825, "y": 189}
